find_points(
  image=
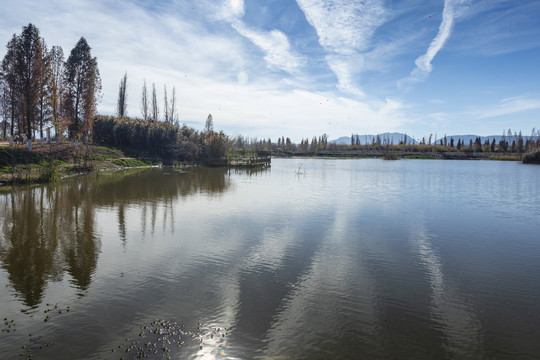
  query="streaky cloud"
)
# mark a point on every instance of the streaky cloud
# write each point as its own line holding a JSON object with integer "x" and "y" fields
{"x": 228, "y": 10}
{"x": 344, "y": 26}
{"x": 345, "y": 29}
{"x": 452, "y": 10}
{"x": 275, "y": 45}
{"x": 510, "y": 106}
{"x": 345, "y": 68}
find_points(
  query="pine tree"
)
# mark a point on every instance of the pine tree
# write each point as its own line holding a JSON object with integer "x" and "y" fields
{"x": 11, "y": 84}
{"x": 83, "y": 88}
{"x": 56, "y": 56}
{"x": 209, "y": 124}
{"x": 121, "y": 107}
{"x": 29, "y": 64}
{"x": 155, "y": 108}
{"x": 165, "y": 103}
{"x": 44, "y": 74}
{"x": 173, "y": 116}
{"x": 144, "y": 102}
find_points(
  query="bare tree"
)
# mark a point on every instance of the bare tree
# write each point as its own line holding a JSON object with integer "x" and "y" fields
{"x": 209, "y": 124}
{"x": 44, "y": 89}
{"x": 3, "y": 106}
{"x": 121, "y": 108}
{"x": 173, "y": 116}
{"x": 166, "y": 103}
{"x": 155, "y": 108}
{"x": 56, "y": 56}
{"x": 144, "y": 102}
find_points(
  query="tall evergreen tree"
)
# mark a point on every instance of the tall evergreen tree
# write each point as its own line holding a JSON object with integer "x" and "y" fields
{"x": 44, "y": 88}
{"x": 29, "y": 65}
{"x": 165, "y": 103}
{"x": 83, "y": 88}
{"x": 173, "y": 116}
{"x": 11, "y": 100}
{"x": 56, "y": 56}
{"x": 209, "y": 124}
{"x": 520, "y": 142}
{"x": 144, "y": 102}
{"x": 121, "y": 109}
{"x": 155, "y": 108}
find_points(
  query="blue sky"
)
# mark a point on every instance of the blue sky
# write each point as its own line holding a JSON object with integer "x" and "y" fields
{"x": 307, "y": 67}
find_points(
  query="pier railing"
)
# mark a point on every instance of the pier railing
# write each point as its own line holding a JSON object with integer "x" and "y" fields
{"x": 250, "y": 161}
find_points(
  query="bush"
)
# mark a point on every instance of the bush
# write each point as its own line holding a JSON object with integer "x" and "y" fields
{"x": 159, "y": 138}
{"x": 532, "y": 158}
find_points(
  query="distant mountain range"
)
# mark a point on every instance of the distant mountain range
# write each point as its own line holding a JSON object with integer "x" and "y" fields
{"x": 395, "y": 138}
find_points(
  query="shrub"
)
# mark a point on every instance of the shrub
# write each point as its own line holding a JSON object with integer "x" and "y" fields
{"x": 532, "y": 158}
{"x": 163, "y": 139}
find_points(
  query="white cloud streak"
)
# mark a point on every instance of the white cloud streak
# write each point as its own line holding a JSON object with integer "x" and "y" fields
{"x": 345, "y": 29}
{"x": 275, "y": 45}
{"x": 452, "y": 10}
{"x": 510, "y": 106}
{"x": 343, "y": 26}
{"x": 228, "y": 10}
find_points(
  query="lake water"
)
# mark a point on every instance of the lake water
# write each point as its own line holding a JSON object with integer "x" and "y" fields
{"x": 344, "y": 259}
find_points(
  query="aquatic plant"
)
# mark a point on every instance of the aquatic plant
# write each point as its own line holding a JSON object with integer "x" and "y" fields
{"x": 390, "y": 156}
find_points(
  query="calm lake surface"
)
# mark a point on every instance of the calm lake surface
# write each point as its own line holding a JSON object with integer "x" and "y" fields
{"x": 349, "y": 259}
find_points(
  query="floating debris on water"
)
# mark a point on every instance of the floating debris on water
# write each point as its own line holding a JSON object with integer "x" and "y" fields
{"x": 34, "y": 344}
{"x": 162, "y": 339}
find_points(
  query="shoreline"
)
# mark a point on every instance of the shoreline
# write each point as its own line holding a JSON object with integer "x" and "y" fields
{"x": 56, "y": 161}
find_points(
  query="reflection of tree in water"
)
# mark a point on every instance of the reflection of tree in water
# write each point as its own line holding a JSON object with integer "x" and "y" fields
{"x": 51, "y": 229}
{"x": 159, "y": 185}
{"x": 46, "y": 230}
{"x": 82, "y": 252}
{"x": 28, "y": 252}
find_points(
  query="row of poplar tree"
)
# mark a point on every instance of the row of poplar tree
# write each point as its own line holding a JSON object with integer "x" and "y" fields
{"x": 38, "y": 88}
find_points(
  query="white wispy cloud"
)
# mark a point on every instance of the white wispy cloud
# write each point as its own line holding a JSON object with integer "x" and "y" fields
{"x": 453, "y": 9}
{"x": 275, "y": 45}
{"x": 344, "y": 29}
{"x": 510, "y": 106}
{"x": 228, "y": 10}
{"x": 288, "y": 85}
{"x": 345, "y": 68}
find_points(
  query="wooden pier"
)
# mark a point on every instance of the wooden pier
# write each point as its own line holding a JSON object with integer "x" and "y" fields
{"x": 251, "y": 161}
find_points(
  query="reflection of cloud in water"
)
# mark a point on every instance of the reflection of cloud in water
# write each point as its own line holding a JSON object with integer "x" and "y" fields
{"x": 333, "y": 298}
{"x": 459, "y": 324}
{"x": 266, "y": 256}
{"x": 237, "y": 289}
{"x": 271, "y": 251}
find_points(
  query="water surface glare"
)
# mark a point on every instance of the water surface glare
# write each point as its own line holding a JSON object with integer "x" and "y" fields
{"x": 348, "y": 259}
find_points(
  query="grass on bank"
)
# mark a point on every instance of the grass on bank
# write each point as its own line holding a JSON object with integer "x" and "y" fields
{"x": 54, "y": 161}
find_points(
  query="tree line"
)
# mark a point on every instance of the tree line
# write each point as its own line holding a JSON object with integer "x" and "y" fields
{"x": 149, "y": 103}
{"x": 163, "y": 139}
{"x": 509, "y": 142}
{"x": 38, "y": 88}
